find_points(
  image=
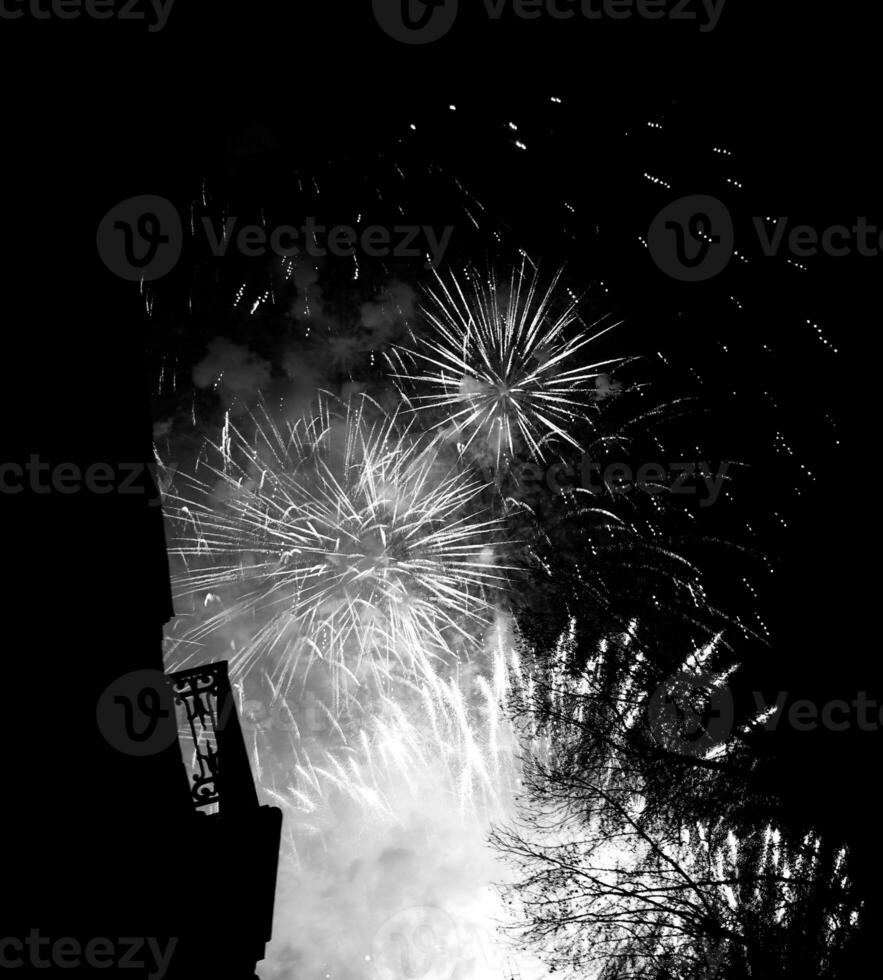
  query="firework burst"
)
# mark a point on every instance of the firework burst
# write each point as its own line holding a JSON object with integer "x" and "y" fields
{"x": 341, "y": 538}
{"x": 395, "y": 816}
{"x": 503, "y": 364}
{"x": 449, "y": 733}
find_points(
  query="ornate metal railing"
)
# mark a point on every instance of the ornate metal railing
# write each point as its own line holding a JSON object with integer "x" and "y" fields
{"x": 247, "y": 834}
{"x": 220, "y": 772}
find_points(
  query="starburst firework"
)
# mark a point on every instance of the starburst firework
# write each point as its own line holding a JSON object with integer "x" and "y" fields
{"x": 342, "y": 538}
{"x": 504, "y": 364}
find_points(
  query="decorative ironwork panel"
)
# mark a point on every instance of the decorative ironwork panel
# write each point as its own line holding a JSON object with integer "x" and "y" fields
{"x": 220, "y": 772}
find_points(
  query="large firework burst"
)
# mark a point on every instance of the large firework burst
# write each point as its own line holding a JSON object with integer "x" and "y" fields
{"x": 340, "y": 537}
{"x": 504, "y": 364}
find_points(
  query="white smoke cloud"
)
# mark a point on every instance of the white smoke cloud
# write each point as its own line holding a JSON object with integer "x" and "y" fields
{"x": 235, "y": 372}
{"x": 385, "y": 315}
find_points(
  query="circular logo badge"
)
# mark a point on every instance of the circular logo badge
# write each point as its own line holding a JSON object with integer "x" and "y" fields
{"x": 416, "y": 21}
{"x": 141, "y": 239}
{"x": 136, "y": 714}
{"x": 691, "y": 713}
{"x": 692, "y": 239}
{"x": 420, "y": 943}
